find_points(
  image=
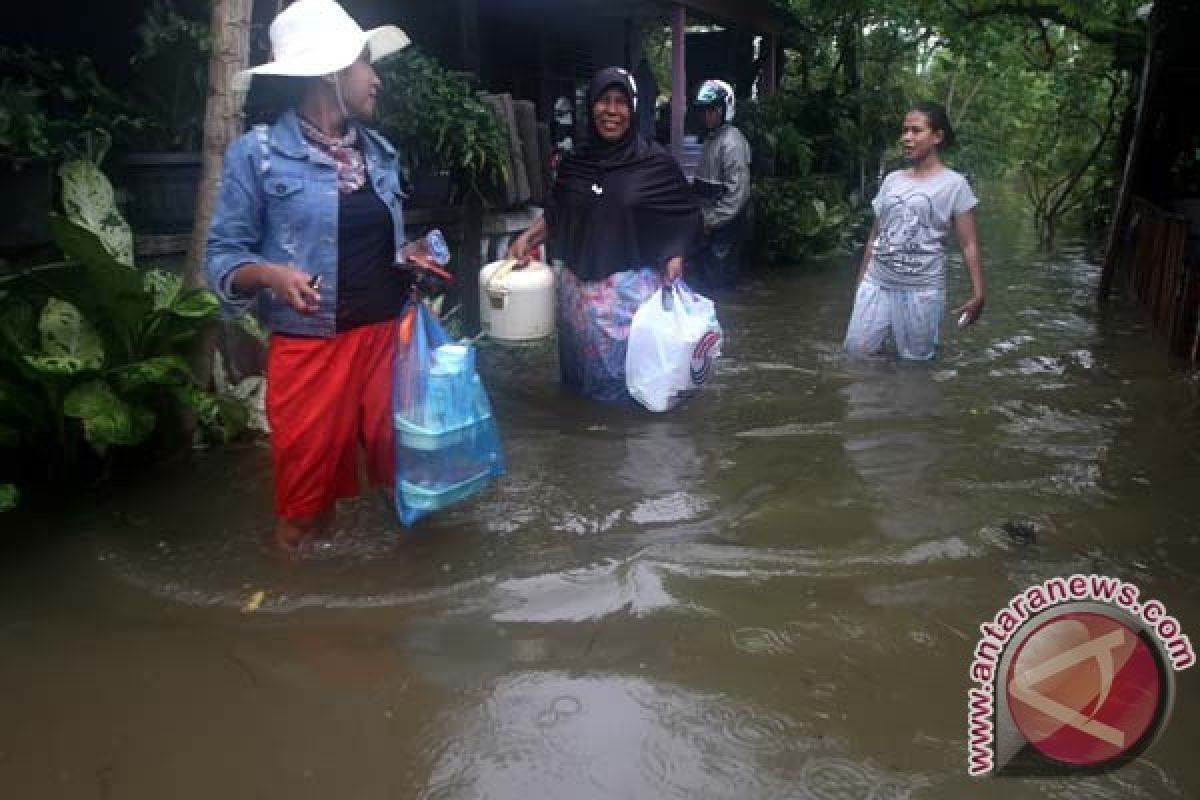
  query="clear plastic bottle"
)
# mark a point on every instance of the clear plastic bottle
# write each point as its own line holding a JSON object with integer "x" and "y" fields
{"x": 433, "y": 246}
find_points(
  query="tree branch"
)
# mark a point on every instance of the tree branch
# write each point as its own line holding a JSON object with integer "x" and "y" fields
{"x": 1057, "y": 208}
{"x": 1039, "y": 11}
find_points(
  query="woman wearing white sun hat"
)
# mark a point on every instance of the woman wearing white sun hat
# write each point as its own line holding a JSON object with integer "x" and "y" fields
{"x": 309, "y": 223}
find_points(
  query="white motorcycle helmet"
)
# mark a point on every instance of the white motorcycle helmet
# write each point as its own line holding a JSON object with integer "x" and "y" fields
{"x": 717, "y": 93}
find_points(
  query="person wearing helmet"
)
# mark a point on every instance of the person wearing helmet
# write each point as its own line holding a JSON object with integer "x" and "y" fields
{"x": 723, "y": 184}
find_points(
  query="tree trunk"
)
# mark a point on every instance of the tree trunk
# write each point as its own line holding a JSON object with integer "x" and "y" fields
{"x": 222, "y": 118}
{"x": 222, "y": 124}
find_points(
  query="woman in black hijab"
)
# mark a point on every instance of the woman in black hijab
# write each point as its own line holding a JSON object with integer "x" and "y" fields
{"x": 621, "y": 216}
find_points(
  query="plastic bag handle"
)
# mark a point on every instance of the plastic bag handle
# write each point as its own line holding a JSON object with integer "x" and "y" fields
{"x": 676, "y": 287}
{"x": 668, "y": 297}
{"x": 441, "y": 273}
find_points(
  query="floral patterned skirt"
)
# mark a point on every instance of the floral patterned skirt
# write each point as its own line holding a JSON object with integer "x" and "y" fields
{"x": 593, "y": 329}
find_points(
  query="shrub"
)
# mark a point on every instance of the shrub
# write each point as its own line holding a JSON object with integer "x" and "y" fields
{"x": 93, "y": 352}
{"x": 438, "y": 123}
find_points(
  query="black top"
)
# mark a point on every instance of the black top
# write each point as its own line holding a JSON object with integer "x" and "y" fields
{"x": 370, "y": 289}
{"x": 620, "y": 205}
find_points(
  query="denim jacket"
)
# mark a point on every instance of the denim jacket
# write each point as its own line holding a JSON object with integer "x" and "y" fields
{"x": 278, "y": 203}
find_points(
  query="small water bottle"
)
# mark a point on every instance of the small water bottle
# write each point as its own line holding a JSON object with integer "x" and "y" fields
{"x": 450, "y": 364}
{"x": 433, "y": 245}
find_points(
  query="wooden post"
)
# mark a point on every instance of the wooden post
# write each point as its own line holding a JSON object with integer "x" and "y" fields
{"x": 470, "y": 261}
{"x": 222, "y": 124}
{"x": 1145, "y": 92}
{"x": 222, "y": 119}
{"x": 770, "y": 67}
{"x": 679, "y": 99}
{"x": 468, "y": 37}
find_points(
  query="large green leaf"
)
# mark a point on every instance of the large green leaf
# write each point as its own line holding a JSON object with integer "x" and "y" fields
{"x": 201, "y": 402}
{"x": 195, "y": 304}
{"x": 248, "y": 323}
{"x": 164, "y": 286}
{"x": 65, "y": 332}
{"x": 168, "y": 370}
{"x": 53, "y": 367}
{"x": 234, "y": 415}
{"x": 112, "y": 295}
{"x": 107, "y": 419}
{"x": 88, "y": 200}
{"x": 9, "y": 497}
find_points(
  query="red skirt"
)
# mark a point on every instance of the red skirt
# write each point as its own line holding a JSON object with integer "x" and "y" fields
{"x": 326, "y": 400}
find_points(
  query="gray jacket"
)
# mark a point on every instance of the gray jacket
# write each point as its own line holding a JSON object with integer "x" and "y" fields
{"x": 725, "y": 162}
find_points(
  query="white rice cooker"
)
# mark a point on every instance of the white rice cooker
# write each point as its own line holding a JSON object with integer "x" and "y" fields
{"x": 516, "y": 304}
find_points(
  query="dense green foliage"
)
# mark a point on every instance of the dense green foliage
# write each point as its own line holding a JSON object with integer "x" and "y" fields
{"x": 437, "y": 121}
{"x": 53, "y": 109}
{"x": 170, "y": 85}
{"x": 1036, "y": 92}
{"x": 93, "y": 351}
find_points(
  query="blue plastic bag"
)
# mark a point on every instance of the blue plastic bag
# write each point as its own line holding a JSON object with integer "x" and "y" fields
{"x": 447, "y": 445}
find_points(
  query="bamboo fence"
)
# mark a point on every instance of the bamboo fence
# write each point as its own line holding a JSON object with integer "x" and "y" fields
{"x": 1161, "y": 276}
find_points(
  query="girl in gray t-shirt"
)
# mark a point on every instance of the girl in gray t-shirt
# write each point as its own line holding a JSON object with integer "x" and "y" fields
{"x": 902, "y": 280}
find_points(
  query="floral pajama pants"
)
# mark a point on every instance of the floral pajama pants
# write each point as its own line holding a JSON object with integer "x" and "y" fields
{"x": 912, "y": 316}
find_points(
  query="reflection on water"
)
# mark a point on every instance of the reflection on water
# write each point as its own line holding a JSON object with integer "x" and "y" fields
{"x": 893, "y": 411}
{"x": 601, "y": 736}
{"x": 773, "y": 591}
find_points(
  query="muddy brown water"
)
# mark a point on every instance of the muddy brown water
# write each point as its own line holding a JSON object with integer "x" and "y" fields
{"x": 772, "y": 592}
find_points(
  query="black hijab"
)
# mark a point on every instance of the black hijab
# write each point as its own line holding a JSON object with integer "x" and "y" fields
{"x": 623, "y": 204}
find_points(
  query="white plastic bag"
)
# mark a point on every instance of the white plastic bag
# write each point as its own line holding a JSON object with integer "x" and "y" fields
{"x": 673, "y": 339}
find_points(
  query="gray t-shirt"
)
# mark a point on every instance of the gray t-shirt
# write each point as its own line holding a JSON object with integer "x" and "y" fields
{"x": 915, "y": 215}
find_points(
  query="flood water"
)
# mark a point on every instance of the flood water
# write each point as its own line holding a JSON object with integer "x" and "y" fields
{"x": 773, "y": 592}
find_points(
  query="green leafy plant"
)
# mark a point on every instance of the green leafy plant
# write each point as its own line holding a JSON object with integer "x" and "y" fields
{"x": 170, "y": 85}
{"x": 798, "y": 219}
{"x": 93, "y": 351}
{"x": 438, "y": 122}
{"x": 9, "y": 497}
{"x": 58, "y": 110}
{"x": 24, "y": 129}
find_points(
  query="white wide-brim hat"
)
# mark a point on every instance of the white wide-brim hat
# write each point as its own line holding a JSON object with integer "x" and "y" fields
{"x": 317, "y": 37}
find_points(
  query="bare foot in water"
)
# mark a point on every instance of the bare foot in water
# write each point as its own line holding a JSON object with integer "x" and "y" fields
{"x": 292, "y": 534}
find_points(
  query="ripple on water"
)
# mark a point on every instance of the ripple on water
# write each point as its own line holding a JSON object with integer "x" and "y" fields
{"x": 789, "y": 430}
{"x": 754, "y": 729}
{"x": 1036, "y": 365}
{"x": 1002, "y": 347}
{"x": 678, "y": 506}
{"x": 626, "y": 736}
{"x": 834, "y": 778}
{"x": 762, "y": 641}
{"x": 243, "y": 573}
{"x": 582, "y": 594}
